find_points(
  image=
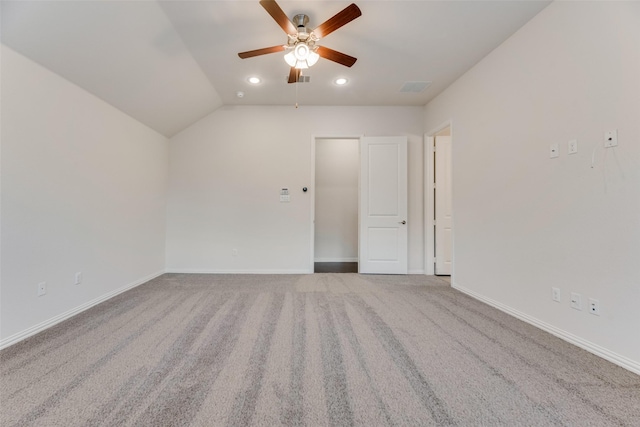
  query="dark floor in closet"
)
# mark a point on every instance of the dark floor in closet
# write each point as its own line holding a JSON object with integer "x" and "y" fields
{"x": 335, "y": 267}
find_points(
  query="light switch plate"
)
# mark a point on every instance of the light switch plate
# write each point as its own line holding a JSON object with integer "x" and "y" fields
{"x": 576, "y": 301}
{"x": 554, "y": 151}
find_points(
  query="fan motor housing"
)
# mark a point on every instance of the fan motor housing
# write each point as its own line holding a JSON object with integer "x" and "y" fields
{"x": 300, "y": 21}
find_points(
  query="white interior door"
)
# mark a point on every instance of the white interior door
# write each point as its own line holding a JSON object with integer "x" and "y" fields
{"x": 444, "y": 237}
{"x": 383, "y": 205}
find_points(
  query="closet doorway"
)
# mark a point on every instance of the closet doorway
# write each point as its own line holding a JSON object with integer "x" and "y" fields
{"x": 337, "y": 162}
{"x": 438, "y": 202}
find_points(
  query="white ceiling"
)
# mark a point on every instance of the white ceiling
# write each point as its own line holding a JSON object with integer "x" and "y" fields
{"x": 170, "y": 63}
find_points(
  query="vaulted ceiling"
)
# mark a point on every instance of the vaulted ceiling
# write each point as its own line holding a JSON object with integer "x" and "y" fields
{"x": 169, "y": 63}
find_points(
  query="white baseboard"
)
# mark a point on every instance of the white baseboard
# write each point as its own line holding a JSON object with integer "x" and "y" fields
{"x": 606, "y": 354}
{"x": 206, "y": 271}
{"x": 6, "y": 342}
{"x": 249, "y": 271}
{"x": 336, "y": 260}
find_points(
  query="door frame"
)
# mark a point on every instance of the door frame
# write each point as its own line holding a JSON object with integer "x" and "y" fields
{"x": 312, "y": 189}
{"x": 429, "y": 201}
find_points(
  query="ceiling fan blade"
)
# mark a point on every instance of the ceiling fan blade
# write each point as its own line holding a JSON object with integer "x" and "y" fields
{"x": 343, "y": 17}
{"x": 294, "y": 75}
{"x": 335, "y": 56}
{"x": 279, "y": 16}
{"x": 263, "y": 51}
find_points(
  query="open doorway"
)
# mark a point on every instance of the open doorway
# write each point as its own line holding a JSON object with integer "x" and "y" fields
{"x": 438, "y": 202}
{"x": 336, "y": 205}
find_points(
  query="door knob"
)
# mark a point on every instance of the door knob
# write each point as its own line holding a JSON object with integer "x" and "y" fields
{"x": 402, "y": 222}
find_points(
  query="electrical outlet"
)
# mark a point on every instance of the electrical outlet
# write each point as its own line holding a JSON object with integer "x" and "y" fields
{"x": 555, "y": 294}
{"x": 42, "y": 288}
{"x": 611, "y": 138}
{"x": 594, "y": 306}
{"x": 576, "y": 301}
{"x": 572, "y": 146}
{"x": 78, "y": 278}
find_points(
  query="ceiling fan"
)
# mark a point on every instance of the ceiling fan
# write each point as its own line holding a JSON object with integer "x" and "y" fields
{"x": 301, "y": 48}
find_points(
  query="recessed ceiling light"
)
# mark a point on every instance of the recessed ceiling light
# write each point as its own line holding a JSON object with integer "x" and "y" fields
{"x": 341, "y": 81}
{"x": 254, "y": 80}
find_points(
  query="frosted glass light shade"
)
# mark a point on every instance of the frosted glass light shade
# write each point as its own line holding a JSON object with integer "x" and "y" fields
{"x": 301, "y": 57}
{"x": 290, "y": 59}
{"x": 301, "y": 51}
{"x": 313, "y": 58}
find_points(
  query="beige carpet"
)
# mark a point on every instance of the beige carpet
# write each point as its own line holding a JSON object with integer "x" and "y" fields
{"x": 315, "y": 350}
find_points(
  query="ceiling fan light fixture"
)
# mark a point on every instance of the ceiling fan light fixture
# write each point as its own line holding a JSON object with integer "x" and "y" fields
{"x": 301, "y": 51}
{"x": 313, "y": 58}
{"x": 301, "y": 56}
{"x": 290, "y": 59}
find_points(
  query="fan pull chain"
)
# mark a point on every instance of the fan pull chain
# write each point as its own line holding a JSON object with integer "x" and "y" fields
{"x": 296, "y": 83}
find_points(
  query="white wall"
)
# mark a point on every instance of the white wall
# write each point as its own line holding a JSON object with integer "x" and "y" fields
{"x": 226, "y": 171}
{"x": 336, "y": 200}
{"x": 83, "y": 189}
{"x": 524, "y": 222}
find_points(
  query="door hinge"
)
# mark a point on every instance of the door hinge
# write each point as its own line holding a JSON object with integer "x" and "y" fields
{"x": 434, "y": 148}
{"x": 435, "y": 260}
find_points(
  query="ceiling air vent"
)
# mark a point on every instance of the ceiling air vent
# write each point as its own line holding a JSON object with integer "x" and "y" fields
{"x": 414, "y": 87}
{"x": 301, "y": 79}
